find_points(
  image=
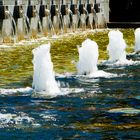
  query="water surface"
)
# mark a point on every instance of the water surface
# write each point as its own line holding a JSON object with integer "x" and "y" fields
{"x": 95, "y": 108}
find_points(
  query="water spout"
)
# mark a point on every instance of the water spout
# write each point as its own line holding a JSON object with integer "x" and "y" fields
{"x": 74, "y": 16}
{"x": 137, "y": 40}
{"x": 83, "y": 15}
{"x": 18, "y": 15}
{"x": 44, "y": 78}
{"x": 65, "y": 14}
{"x": 44, "y": 14}
{"x": 8, "y": 21}
{"x": 116, "y": 47}
{"x": 88, "y": 57}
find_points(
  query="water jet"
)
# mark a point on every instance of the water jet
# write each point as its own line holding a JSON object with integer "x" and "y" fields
{"x": 44, "y": 83}
{"x": 44, "y": 14}
{"x": 88, "y": 57}
{"x": 116, "y": 47}
{"x": 137, "y": 40}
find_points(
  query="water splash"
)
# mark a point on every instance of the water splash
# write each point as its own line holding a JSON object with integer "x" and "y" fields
{"x": 116, "y": 47}
{"x": 137, "y": 40}
{"x": 44, "y": 78}
{"x": 16, "y": 120}
{"x": 8, "y": 92}
{"x": 88, "y": 57}
{"x": 88, "y": 60}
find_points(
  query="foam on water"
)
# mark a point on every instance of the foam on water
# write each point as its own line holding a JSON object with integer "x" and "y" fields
{"x": 14, "y": 120}
{"x": 99, "y": 74}
{"x": 67, "y": 91}
{"x": 26, "y": 90}
{"x": 137, "y": 40}
{"x": 120, "y": 63}
{"x": 44, "y": 82}
{"x": 49, "y": 115}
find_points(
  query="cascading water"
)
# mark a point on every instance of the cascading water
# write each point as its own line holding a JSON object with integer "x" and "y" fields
{"x": 137, "y": 40}
{"x": 9, "y": 22}
{"x": 88, "y": 57}
{"x": 44, "y": 78}
{"x": 116, "y": 47}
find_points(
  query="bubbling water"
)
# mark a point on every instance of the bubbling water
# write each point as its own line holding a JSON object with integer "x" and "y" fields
{"x": 88, "y": 57}
{"x": 116, "y": 47}
{"x": 137, "y": 40}
{"x": 44, "y": 78}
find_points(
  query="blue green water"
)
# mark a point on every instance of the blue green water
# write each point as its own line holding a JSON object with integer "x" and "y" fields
{"x": 95, "y": 108}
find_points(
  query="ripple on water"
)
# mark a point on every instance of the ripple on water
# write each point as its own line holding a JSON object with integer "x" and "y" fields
{"x": 125, "y": 110}
{"x": 137, "y": 97}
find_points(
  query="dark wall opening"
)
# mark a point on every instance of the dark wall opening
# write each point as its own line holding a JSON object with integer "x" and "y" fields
{"x": 124, "y": 11}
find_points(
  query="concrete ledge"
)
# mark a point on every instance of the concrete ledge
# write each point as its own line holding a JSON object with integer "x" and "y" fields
{"x": 123, "y": 24}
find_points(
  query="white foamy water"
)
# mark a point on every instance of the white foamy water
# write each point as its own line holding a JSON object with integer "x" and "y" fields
{"x": 137, "y": 40}
{"x": 98, "y": 74}
{"x": 101, "y": 73}
{"x": 88, "y": 57}
{"x": 116, "y": 47}
{"x": 23, "y": 91}
{"x": 8, "y": 119}
{"x": 67, "y": 91}
{"x": 120, "y": 63}
{"x": 49, "y": 115}
{"x": 44, "y": 82}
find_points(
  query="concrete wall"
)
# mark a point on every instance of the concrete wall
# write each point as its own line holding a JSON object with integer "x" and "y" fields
{"x": 24, "y": 2}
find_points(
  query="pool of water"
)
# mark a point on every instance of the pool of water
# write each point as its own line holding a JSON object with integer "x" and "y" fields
{"x": 104, "y": 107}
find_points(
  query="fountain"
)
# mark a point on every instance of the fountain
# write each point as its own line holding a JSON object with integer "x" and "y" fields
{"x": 91, "y": 15}
{"x": 44, "y": 83}
{"x": 74, "y": 16}
{"x": 34, "y": 22}
{"x": 83, "y": 15}
{"x": 65, "y": 14}
{"x": 55, "y": 18}
{"x": 44, "y": 15}
{"x": 137, "y": 40}
{"x": 88, "y": 58}
{"x": 6, "y": 20}
{"x": 18, "y": 13}
{"x": 116, "y": 47}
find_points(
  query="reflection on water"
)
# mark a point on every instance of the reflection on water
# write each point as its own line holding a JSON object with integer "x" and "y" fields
{"x": 104, "y": 107}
